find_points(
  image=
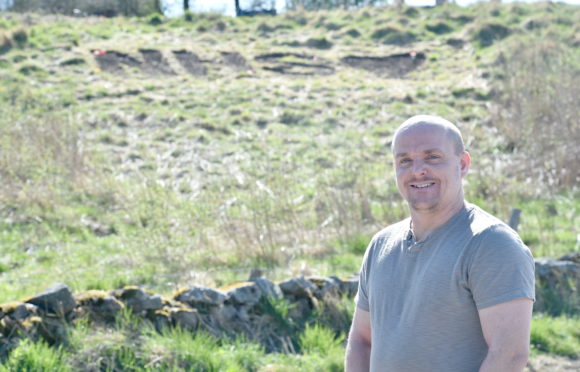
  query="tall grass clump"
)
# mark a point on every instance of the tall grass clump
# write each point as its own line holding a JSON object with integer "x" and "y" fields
{"x": 176, "y": 349}
{"x": 323, "y": 348}
{"x": 537, "y": 111}
{"x": 36, "y": 356}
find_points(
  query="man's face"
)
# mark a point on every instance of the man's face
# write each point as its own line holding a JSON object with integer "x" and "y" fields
{"x": 428, "y": 170}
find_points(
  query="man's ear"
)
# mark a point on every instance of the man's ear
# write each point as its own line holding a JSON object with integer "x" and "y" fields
{"x": 464, "y": 163}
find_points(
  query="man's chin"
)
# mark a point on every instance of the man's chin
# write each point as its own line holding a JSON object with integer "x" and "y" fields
{"x": 421, "y": 206}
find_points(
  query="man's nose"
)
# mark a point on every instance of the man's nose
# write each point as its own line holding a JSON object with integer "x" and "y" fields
{"x": 419, "y": 167}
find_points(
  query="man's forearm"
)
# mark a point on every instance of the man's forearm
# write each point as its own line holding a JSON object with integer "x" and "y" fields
{"x": 358, "y": 355}
{"x": 504, "y": 362}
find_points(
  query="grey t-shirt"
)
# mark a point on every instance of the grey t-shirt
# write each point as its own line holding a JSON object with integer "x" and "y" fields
{"x": 423, "y": 297}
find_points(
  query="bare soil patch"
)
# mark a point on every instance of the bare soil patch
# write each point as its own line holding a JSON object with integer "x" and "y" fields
{"x": 395, "y": 65}
{"x": 295, "y": 67}
{"x": 154, "y": 63}
{"x": 236, "y": 61}
{"x": 112, "y": 61}
{"x": 190, "y": 62}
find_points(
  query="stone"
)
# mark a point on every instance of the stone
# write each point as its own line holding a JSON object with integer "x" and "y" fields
{"x": 187, "y": 319}
{"x": 246, "y": 293}
{"x": 557, "y": 285}
{"x": 8, "y": 326}
{"x": 231, "y": 319}
{"x": 300, "y": 309}
{"x": 99, "y": 305}
{"x": 57, "y": 300}
{"x": 325, "y": 287}
{"x": 201, "y": 296}
{"x": 268, "y": 288}
{"x": 298, "y": 287}
{"x": 161, "y": 320}
{"x": 255, "y": 274}
{"x": 574, "y": 257}
{"x": 24, "y": 311}
{"x": 53, "y": 329}
{"x": 138, "y": 300}
{"x": 225, "y": 315}
{"x": 349, "y": 286}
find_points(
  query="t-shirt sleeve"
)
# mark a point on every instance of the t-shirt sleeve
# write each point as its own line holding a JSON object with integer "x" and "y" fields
{"x": 502, "y": 268}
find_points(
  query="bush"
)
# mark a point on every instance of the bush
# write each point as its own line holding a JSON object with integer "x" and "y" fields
{"x": 487, "y": 34}
{"x": 393, "y": 35}
{"x": 155, "y": 19}
{"x": 439, "y": 28}
{"x": 20, "y": 37}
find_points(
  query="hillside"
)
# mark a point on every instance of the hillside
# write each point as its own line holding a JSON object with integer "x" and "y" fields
{"x": 167, "y": 152}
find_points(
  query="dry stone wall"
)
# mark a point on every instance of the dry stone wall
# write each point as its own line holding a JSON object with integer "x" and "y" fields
{"x": 244, "y": 307}
{"x": 251, "y": 308}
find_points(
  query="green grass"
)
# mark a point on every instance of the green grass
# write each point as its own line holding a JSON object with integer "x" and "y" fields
{"x": 135, "y": 346}
{"x": 36, "y": 356}
{"x": 556, "y": 335}
{"x": 164, "y": 181}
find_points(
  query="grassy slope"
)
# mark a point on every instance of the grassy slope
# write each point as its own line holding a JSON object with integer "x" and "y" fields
{"x": 165, "y": 181}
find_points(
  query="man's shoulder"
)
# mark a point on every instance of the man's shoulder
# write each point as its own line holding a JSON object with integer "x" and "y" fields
{"x": 492, "y": 231}
{"x": 395, "y": 229}
{"x": 482, "y": 222}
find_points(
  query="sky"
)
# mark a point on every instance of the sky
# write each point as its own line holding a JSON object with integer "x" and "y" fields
{"x": 227, "y": 6}
{"x": 175, "y": 7}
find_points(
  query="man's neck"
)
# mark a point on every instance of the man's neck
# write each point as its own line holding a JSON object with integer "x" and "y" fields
{"x": 424, "y": 223}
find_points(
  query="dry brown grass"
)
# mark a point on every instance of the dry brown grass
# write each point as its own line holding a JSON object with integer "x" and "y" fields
{"x": 537, "y": 111}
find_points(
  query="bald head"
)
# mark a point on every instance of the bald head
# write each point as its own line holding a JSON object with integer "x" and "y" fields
{"x": 451, "y": 130}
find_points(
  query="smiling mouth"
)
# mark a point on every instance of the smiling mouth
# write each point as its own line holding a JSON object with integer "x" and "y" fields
{"x": 422, "y": 185}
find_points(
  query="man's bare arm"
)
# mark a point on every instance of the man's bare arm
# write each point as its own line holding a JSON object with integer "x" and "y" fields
{"x": 358, "y": 349}
{"x": 506, "y": 329}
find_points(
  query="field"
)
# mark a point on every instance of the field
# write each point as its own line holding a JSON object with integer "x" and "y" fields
{"x": 171, "y": 152}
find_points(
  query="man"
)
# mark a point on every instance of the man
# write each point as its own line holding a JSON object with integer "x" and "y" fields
{"x": 449, "y": 289}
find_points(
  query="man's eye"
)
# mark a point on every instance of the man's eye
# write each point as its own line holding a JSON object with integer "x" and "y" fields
{"x": 433, "y": 157}
{"x": 404, "y": 161}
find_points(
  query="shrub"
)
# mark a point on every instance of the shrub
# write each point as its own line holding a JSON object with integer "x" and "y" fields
{"x": 439, "y": 28}
{"x": 318, "y": 43}
{"x": 155, "y": 19}
{"x": 20, "y": 37}
{"x": 487, "y": 34}
{"x": 393, "y": 35}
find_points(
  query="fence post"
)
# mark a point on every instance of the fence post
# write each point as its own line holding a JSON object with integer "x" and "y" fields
{"x": 515, "y": 218}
